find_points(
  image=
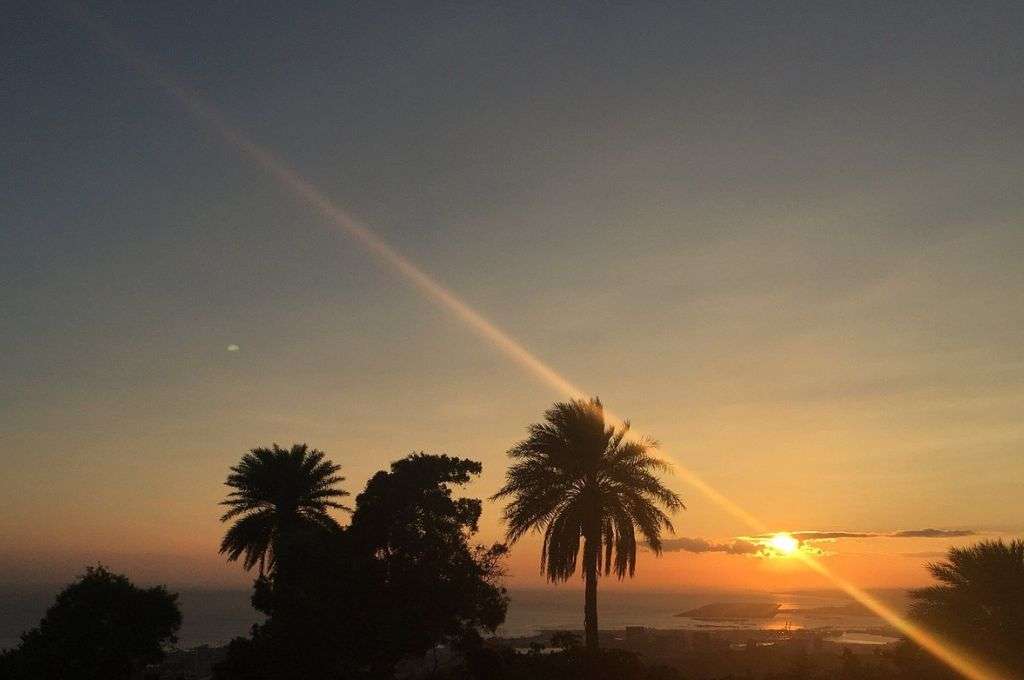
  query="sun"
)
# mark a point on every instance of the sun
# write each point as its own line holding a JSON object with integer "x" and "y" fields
{"x": 784, "y": 544}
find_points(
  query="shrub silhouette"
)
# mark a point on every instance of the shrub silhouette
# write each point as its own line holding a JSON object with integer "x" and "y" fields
{"x": 100, "y": 627}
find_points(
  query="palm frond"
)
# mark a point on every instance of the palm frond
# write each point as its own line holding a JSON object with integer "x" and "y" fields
{"x": 575, "y": 471}
{"x": 278, "y": 490}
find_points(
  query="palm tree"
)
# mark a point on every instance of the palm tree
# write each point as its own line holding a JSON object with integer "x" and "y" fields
{"x": 278, "y": 493}
{"x": 577, "y": 477}
{"x": 979, "y": 600}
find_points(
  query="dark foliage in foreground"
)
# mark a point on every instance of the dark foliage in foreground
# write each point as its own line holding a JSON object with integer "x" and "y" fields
{"x": 978, "y": 601}
{"x": 353, "y": 602}
{"x": 102, "y": 627}
{"x": 501, "y": 663}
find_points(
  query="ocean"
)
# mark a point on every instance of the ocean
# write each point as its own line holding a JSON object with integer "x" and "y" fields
{"x": 531, "y": 611}
{"x": 215, "y": 616}
{"x": 209, "y": 616}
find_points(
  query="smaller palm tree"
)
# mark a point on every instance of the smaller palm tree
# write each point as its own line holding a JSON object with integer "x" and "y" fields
{"x": 278, "y": 494}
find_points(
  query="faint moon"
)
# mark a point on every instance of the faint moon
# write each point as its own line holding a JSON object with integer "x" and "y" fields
{"x": 233, "y": 348}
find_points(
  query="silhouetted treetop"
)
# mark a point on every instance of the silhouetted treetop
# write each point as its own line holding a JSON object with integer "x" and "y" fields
{"x": 577, "y": 477}
{"x": 278, "y": 493}
{"x": 101, "y": 626}
{"x": 415, "y": 498}
{"x": 979, "y": 600}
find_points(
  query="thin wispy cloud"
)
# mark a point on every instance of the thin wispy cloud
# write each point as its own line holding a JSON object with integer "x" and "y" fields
{"x": 761, "y": 545}
{"x": 744, "y": 545}
{"x": 700, "y": 545}
{"x": 906, "y": 533}
{"x": 831, "y": 535}
{"x": 932, "y": 533}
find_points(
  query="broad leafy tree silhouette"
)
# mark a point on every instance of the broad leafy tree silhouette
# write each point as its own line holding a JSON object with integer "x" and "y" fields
{"x": 101, "y": 626}
{"x": 576, "y": 477}
{"x": 436, "y": 587}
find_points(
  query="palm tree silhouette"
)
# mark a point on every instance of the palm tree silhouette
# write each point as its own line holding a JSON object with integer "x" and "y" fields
{"x": 979, "y": 600}
{"x": 278, "y": 493}
{"x": 577, "y": 477}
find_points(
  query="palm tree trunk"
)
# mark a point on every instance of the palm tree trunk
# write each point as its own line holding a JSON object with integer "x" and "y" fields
{"x": 590, "y": 549}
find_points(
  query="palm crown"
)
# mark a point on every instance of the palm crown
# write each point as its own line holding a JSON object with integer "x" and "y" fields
{"x": 576, "y": 477}
{"x": 979, "y": 598}
{"x": 277, "y": 492}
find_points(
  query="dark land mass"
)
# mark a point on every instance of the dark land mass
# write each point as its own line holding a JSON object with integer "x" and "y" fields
{"x": 732, "y": 611}
{"x": 698, "y": 655}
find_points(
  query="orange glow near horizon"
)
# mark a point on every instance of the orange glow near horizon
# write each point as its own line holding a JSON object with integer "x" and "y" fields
{"x": 307, "y": 193}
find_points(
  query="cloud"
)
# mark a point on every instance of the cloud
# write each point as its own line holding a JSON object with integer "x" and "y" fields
{"x": 829, "y": 535}
{"x": 906, "y": 533}
{"x": 233, "y": 348}
{"x": 932, "y": 533}
{"x": 700, "y": 545}
{"x": 760, "y": 545}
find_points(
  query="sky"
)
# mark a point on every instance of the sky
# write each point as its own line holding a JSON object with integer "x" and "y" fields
{"x": 785, "y": 239}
